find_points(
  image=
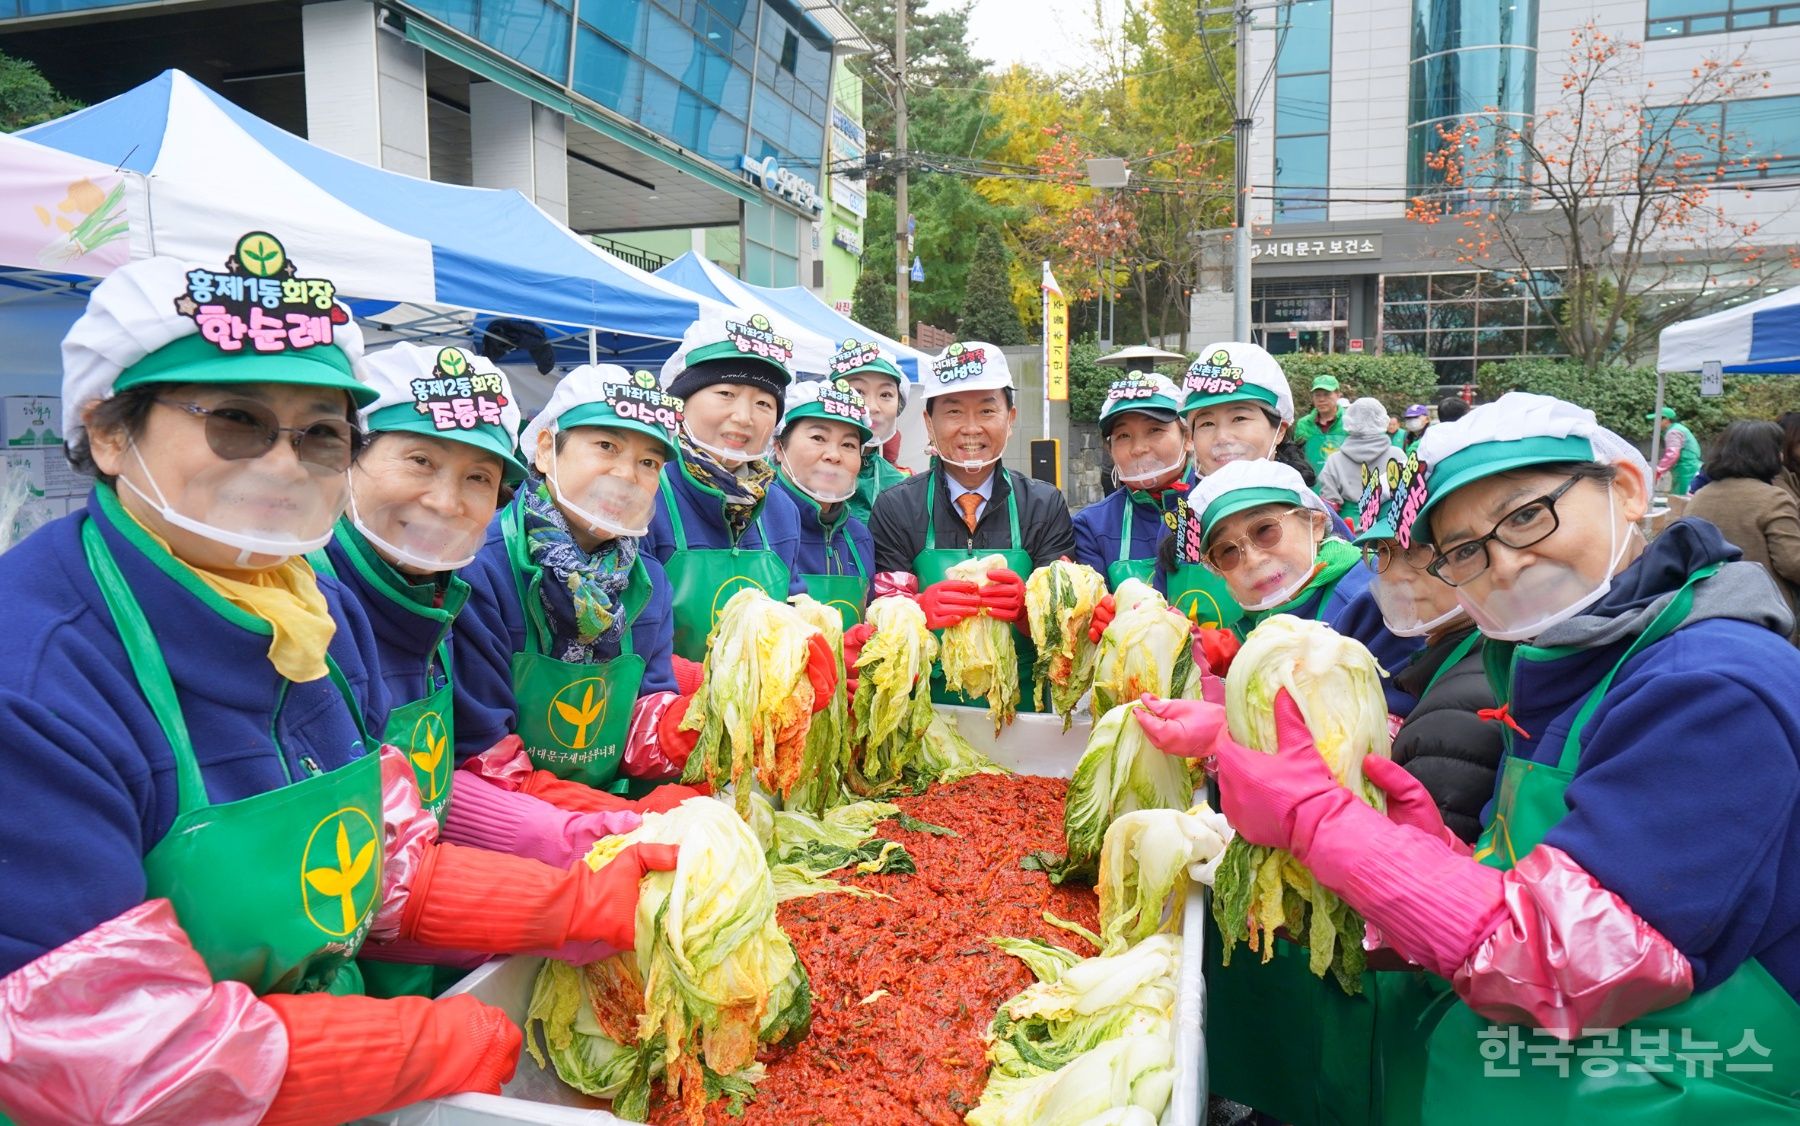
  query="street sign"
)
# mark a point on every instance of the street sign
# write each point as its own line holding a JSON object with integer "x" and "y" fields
{"x": 1712, "y": 379}
{"x": 918, "y": 270}
{"x": 1356, "y": 343}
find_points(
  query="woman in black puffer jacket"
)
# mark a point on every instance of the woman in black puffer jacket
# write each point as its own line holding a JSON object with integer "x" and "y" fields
{"x": 1444, "y": 743}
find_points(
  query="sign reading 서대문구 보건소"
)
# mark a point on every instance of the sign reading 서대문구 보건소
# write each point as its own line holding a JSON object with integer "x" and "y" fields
{"x": 1315, "y": 248}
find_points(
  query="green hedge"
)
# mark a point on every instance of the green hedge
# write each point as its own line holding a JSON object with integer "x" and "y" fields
{"x": 1621, "y": 397}
{"x": 1398, "y": 381}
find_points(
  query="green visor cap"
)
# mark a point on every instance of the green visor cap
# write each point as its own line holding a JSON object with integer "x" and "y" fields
{"x": 1248, "y": 393}
{"x": 1325, "y": 383}
{"x": 1240, "y": 499}
{"x": 1485, "y": 459}
{"x": 1667, "y": 412}
{"x": 880, "y": 365}
{"x": 728, "y": 350}
{"x": 602, "y": 414}
{"x": 403, "y": 419}
{"x": 817, "y": 410}
{"x": 194, "y": 359}
{"x": 1160, "y": 407}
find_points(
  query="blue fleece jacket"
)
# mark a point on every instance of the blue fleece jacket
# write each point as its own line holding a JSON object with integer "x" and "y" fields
{"x": 90, "y": 779}
{"x": 833, "y": 550}
{"x": 703, "y": 520}
{"x": 1686, "y": 800}
{"x": 408, "y": 626}
{"x": 1098, "y": 528}
{"x": 491, "y": 629}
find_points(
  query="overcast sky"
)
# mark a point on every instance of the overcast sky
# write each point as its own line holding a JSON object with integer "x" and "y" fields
{"x": 1050, "y": 34}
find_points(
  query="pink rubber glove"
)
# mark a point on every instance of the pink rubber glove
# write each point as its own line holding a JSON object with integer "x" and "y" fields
{"x": 1004, "y": 596}
{"x": 1104, "y": 612}
{"x": 1189, "y": 728}
{"x": 486, "y": 816}
{"x": 949, "y": 602}
{"x": 1409, "y": 803}
{"x": 1261, "y": 794}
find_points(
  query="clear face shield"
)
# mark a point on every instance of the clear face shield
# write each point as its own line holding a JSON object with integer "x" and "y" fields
{"x": 408, "y": 531}
{"x": 242, "y": 504}
{"x": 604, "y": 504}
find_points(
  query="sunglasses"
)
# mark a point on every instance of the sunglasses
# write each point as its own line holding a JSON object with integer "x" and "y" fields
{"x": 1265, "y": 534}
{"x": 244, "y": 431}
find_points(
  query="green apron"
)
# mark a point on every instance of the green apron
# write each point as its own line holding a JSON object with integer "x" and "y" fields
{"x": 573, "y": 717}
{"x": 1481, "y": 1072}
{"x": 846, "y": 594}
{"x": 1125, "y": 567}
{"x": 932, "y": 565}
{"x": 1687, "y": 462}
{"x": 702, "y": 580}
{"x": 1202, "y": 597}
{"x": 276, "y": 890}
{"x": 421, "y": 730}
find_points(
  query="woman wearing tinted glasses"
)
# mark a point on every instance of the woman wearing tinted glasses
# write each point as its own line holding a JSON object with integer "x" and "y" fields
{"x": 1638, "y": 876}
{"x": 1268, "y": 536}
{"x": 200, "y": 832}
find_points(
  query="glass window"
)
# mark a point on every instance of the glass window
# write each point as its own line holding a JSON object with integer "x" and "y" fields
{"x": 605, "y": 73}
{"x": 1300, "y": 177}
{"x": 1406, "y": 287}
{"x": 1467, "y": 83}
{"x": 1751, "y": 19}
{"x": 534, "y": 32}
{"x": 1307, "y": 43}
{"x": 1447, "y": 25}
{"x": 1454, "y": 372}
{"x": 1500, "y": 343}
{"x": 1302, "y": 104}
{"x": 1457, "y": 343}
{"x": 1666, "y": 9}
{"x": 1403, "y": 342}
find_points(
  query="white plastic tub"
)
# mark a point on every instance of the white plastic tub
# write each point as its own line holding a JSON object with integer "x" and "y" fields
{"x": 1033, "y": 744}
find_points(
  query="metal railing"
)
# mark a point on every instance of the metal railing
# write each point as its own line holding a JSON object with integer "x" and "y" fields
{"x": 642, "y": 259}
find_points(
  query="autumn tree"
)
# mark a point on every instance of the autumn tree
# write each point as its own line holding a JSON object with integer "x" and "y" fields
{"x": 1618, "y": 218}
{"x": 988, "y": 312}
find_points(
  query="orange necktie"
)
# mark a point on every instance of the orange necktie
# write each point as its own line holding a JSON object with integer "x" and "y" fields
{"x": 969, "y": 503}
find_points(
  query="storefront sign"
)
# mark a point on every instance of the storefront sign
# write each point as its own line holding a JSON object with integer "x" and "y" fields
{"x": 849, "y": 238}
{"x": 1338, "y": 248}
{"x": 848, "y": 144}
{"x": 778, "y": 181}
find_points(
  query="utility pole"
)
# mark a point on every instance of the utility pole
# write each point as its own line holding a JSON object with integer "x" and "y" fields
{"x": 1240, "y": 130}
{"x": 902, "y": 219}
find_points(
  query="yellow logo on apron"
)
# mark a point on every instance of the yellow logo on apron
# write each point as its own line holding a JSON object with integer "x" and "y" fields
{"x": 429, "y": 733}
{"x": 338, "y": 871}
{"x": 578, "y": 709}
{"x": 726, "y": 590}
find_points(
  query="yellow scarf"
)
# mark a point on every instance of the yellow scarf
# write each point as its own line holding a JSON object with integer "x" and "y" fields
{"x": 288, "y": 598}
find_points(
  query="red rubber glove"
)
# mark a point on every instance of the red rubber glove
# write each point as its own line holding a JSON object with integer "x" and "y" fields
{"x": 667, "y": 797}
{"x": 1188, "y": 728}
{"x": 854, "y": 639}
{"x": 1262, "y": 795}
{"x": 472, "y": 899}
{"x": 1104, "y": 612}
{"x": 350, "y": 1057}
{"x": 675, "y": 743}
{"x": 821, "y": 670}
{"x": 689, "y": 675}
{"x": 575, "y": 797}
{"x": 949, "y": 602}
{"x": 1004, "y": 596}
{"x": 1409, "y": 803}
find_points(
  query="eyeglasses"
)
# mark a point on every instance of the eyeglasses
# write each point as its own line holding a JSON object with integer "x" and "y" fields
{"x": 1525, "y": 526}
{"x": 243, "y": 431}
{"x": 1382, "y": 556}
{"x": 1264, "y": 535}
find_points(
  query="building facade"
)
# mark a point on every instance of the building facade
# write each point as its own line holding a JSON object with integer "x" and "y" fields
{"x": 1358, "y": 93}
{"x": 706, "y": 118}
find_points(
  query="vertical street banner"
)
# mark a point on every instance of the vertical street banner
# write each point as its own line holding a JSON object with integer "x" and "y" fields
{"x": 1056, "y": 339}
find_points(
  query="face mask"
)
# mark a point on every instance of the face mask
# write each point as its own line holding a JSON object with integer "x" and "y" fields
{"x": 1543, "y": 594}
{"x": 408, "y": 534}
{"x": 886, "y": 433}
{"x": 972, "y": 466}
{"x": 1148, "y": 471}
{"x": 1402, "y": 610}
{"x": 822, "y": 481}
{"x": 1415, "y": 424}
{"x": 725, "y": 453}
{"x": 1293, "y": 587}
{"x": 250, "y": 510}
{"x": 607, "y": 506}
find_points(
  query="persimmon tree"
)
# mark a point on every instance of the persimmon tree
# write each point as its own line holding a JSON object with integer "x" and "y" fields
{"x": 1622, "y": 208}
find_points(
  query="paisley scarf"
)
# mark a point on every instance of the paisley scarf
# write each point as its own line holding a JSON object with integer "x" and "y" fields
{"x": 583, "y": 594}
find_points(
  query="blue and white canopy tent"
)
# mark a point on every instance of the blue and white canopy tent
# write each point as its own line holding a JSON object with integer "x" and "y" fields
{"x": 799, "y": 305}
{"x": 1758, "y": 337}
{"x": 207, "y": 172}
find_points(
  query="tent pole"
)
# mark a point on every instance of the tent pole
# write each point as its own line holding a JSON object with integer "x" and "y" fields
{"x": 593, "y": 346}
{"x": 1656, "y": 431}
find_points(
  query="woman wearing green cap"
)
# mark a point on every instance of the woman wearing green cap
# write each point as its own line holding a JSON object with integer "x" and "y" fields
{"x": 201, "y": 834}
{"x": 565, "y": 689}
{"x": 874, "y": 375}
{"x": 1624, "y": 941}
{"x": 819, "y": 455}
{"x": 1680, "y": 460}
{"x": 1141, "y": 427}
